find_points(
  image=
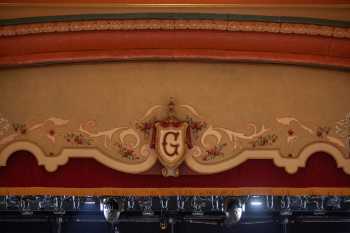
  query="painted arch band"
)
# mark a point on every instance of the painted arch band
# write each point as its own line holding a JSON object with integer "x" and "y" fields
{"x": 182, "y": 136}
{"x": 190, "y": 37}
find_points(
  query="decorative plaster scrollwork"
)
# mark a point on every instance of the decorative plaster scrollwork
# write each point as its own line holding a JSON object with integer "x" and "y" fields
{"x": 174, "y": 134}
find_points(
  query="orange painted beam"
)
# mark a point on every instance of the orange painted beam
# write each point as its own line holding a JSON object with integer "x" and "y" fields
{"x": 174, "y": 45}
{"x": 159, "y": 39}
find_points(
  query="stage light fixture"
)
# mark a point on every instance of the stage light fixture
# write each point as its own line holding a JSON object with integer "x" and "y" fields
{"x": 256, "y": 201}
{"x": 112, "y": 209}
{"x": 233, "y": 209}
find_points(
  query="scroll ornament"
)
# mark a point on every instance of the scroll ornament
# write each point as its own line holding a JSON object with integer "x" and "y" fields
{"x": 175, "y": 134}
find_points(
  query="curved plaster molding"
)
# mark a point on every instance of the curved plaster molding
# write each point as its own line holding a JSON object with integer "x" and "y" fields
{"x": 52, "y": 163}
{"x": 132, "y": 36}
{"x": 175, "y": 24}
{"x": 290, "y": 165}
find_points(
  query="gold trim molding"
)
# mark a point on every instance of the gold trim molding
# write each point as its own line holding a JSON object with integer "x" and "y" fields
{"x": 224, "y": 191}
{"x": 169, "y": 5}
{"x": 181, "y": 24}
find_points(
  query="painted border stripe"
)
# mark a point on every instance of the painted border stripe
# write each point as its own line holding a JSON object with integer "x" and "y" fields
{"x": 179, "y": 16}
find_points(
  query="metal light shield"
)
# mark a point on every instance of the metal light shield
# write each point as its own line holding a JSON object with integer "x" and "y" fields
{"x": 112, "y": 209}
{"x": 233, "y": 211}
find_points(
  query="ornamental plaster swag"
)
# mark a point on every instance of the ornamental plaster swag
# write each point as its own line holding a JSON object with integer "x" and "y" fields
{"x": 174, "y": 134}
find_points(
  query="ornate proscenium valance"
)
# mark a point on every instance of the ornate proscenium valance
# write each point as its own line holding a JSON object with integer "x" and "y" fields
{"x": 234, "y": 126}
{"x": 162, "y": 134}
{"x": 174, "y": 104}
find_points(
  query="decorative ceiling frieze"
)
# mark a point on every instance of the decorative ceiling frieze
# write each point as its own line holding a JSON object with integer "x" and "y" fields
{"x": 174, "y": 36}
{"x": 175, "y": 21}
